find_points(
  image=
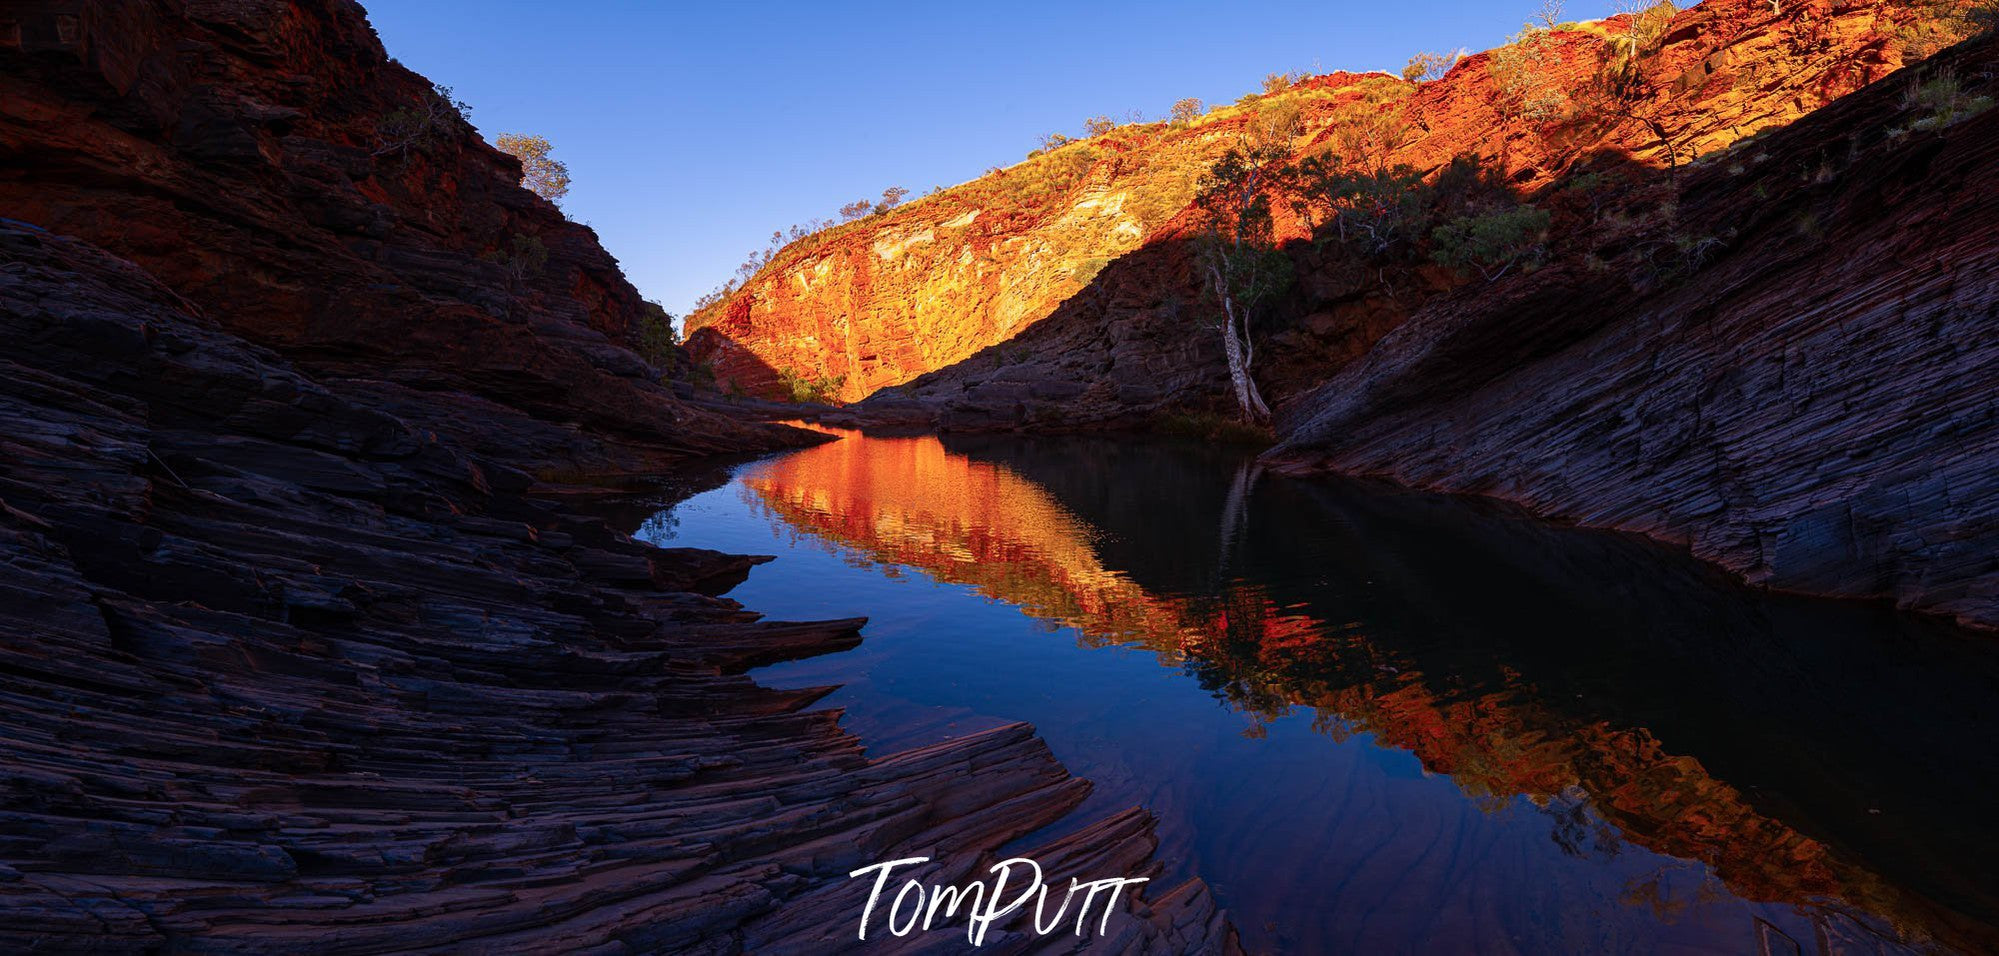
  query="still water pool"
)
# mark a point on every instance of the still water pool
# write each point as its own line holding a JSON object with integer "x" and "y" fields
{"x": 1379, "y": 721}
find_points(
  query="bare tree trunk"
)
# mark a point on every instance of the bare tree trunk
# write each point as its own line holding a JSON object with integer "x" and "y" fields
{"x": 1249, "y": 380}
{"x": 1246, "y": 395}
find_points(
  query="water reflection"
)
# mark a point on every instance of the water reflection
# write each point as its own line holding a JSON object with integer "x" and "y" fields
{"x": 1443, "y": 725}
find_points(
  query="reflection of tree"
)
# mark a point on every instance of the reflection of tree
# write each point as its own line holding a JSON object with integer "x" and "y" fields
{"x": 1235, "y": 512}
{"x": 662, "y": 526}
{"x": 1579, "y": 832}
{"x": 909, "y": 503}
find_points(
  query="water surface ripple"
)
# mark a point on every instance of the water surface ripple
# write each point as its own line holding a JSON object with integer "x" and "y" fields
{"x": 1383, "y": 721}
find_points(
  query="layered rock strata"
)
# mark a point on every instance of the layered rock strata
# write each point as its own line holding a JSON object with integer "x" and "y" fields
{"x": 272, "y": 164}
{"x": 1814, "y": 409}
{"x": 1058, "y": 292}
{"x": 293, "y": 660}
{"x": 284, "y": 673}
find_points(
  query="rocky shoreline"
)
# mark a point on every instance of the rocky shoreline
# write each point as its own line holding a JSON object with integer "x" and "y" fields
{"x": 284, "y": 672}
{"x": 317, "y": 639}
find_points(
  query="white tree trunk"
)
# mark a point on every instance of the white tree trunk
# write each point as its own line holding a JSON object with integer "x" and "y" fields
{"x": 1246, "y": 395}
{"x": 1238, "y": 372}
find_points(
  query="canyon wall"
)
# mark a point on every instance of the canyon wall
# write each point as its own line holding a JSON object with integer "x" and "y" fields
{"x": 1815, "y": 409}
{"x": 287, "y": 673}
{"x": 1031, "y": 298}
{"x": 259, "y": 158}
{"x": 1760, "y": 330}
{"x": 294, "y": 660}
{"x": 877, "y": 302}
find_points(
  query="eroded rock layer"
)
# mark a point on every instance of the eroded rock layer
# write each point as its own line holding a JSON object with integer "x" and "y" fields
{"x": 269, "y": 162}
{"x": 1817, "y": 409}
{"x": 283, "y": 673}
{"x": 1058, "y": 292}
{"x": 292, "y": 661}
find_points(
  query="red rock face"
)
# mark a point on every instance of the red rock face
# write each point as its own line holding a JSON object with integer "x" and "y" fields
{"x": 938, "y": 284}
{"x": 1814, "y": 409}
{"x": 293, "y": 661}
{"x": 235, "y": 151}
{"x": 1806, "y": 401}
{"x": 878, "y": 302}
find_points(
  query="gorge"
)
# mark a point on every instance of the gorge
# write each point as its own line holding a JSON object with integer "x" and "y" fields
{"x": 380, "y": 577}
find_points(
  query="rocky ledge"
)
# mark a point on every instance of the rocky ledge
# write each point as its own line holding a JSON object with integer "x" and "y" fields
{"x": 285, "y": 673}
{"x": 293, "y": 661}
{"x": 1816, "y": 409}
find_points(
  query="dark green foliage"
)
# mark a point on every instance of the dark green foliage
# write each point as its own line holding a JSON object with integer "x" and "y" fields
{"x": 1214, "y": 427}
{"x": 656, "y": 336}
{"x": 1678, "y": 256}
{"x": 1372, "y": 213}
{"x": 1240, "y": 248}
{"x": 1385, "y": 215}
{"x": 1492, "y": 241}
{"x": 1944, "y": 100}
{"x": 804, "y": 388}
{"x": 434, "y": 118}
{"x": 1242, "y": 264}
{"x": 522, "y": 256}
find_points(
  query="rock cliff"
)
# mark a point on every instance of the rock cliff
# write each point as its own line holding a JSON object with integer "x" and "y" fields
{"x": 1762, "y": 330}
{"x": 271, "y": 164}
{"x": 878, "y": 302}
{"x": 1058, "y": 291}
{"x": 294, "y": 660}
{"x": 1814, "y": 409}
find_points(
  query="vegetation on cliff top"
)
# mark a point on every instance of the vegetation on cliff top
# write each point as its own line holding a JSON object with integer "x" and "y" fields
{"x": 541, "y": 174}
{"x": 1368, "y": 178}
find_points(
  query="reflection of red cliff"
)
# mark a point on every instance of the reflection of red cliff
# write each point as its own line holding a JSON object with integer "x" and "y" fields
{"x": 910, "y": 502}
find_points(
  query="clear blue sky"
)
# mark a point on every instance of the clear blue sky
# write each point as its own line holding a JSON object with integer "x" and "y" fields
{"x": 692, "y": 130}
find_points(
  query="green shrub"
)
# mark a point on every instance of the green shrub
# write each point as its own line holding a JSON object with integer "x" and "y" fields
{"x": 1932, "y": 25}
{"x": 1279, "y": 82}
{"x": 1643, "y": 33}
{"x": 522, "y": 257}
{"x": 1425, "y": 67}
{"x": 1494, "y": 241}
{"x": 432, "y": 119}
{"x": 1213, "y": 427}
{"x": 804, "y": 388}
{"x": 1048, "y": 174}
{"x": 1679, "y": 256}
{"x": 1527, "y": 87}
{"x": 1373, "y": 213}
{"x": 656, "y": 335}
{"x": 1946, "y": 101}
